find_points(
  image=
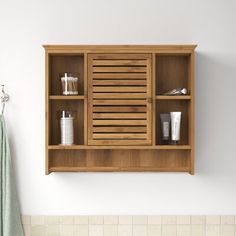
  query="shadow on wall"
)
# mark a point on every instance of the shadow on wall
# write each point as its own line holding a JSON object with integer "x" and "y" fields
{"x": 215, "y": 93}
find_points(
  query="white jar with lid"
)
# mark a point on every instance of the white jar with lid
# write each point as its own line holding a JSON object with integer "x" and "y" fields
{"x": 67, "y": 129}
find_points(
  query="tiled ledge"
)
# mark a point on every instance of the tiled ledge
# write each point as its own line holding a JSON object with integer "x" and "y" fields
{"x": 129, "y": 225}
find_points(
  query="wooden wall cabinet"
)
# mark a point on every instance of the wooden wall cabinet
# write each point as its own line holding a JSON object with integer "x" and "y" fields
{"x": 117, "y": 112}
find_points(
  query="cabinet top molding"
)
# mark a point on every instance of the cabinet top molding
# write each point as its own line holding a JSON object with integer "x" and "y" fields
{"x": 161, "y": 47}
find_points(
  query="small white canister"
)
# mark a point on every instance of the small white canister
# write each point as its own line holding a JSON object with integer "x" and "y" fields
{"x": 67, "y": 129}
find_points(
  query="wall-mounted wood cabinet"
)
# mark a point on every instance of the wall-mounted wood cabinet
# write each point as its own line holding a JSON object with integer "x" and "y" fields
{"x": 117, "y": 110}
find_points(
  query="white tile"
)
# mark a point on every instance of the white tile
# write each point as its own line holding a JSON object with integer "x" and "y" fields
{"x": 198, "y": 230}
{"x": 125, "y": 220}
{"x": 169, "y": 230}
{"x": 110, "y": 230}
{"x": 140, "y": 220}
{"x": 212, "y": 230}
{"x": 95, "y": 220}
{"x": 213, "y": 220}
{"x": 154, "y": 230}
{"x": 110, "y": 220}
{"x": 154, "y": 220}
{"x": 66, "y": 230}
{"x": 227, "y": 220}
{"x": 25, "y": 220}
{"x": 81, "y": 220}
{"x": 52, "y": 220}
{"x": 95, "y": 230}
{"x": 26, "y": 230}
{"x": 168, "y": 220}
{"x": 66, "y": 220}
{"x": 227, "y": 230}
{"x": 37, "y": 230}
{"x": 125, "y": 230}
{"x": 183, "y": 220}
{"x": 139, "y": 230}
{"x": 183, "y": 230}
{"x": 81, "y": 230}
{"x": 198, "y": 220}
{"x": 37, "y": 220}
{"x": 52, "y": 230}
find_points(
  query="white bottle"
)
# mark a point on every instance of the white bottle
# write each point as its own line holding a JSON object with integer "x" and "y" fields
{"x": 67, "y": 130}
{"x": 175, "y": 126}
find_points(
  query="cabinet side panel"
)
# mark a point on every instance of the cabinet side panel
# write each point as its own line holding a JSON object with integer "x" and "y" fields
{"x": 192, "y": 112}
{"x": 85, "y": 99}
{"x": 47, "y": 118}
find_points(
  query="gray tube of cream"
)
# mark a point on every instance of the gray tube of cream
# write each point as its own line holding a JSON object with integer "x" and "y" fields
{"x": 165, "y": 127}
{"x": 175, "y": 126}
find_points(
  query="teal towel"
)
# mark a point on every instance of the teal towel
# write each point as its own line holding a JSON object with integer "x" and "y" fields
{"x": 10, "y": 220}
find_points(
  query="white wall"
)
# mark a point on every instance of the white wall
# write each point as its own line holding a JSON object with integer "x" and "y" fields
{"x": 26, "y": 25}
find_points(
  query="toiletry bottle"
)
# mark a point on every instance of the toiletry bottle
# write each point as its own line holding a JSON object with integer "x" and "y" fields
{"x": 175, "y": 126}
{"x": 165, "y": 127}
{"x": 67, "y": 130}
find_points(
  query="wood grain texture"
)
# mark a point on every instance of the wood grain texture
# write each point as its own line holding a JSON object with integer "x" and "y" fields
{"x": 122, "y": 87}
{"x": 47, "y": 113}
{"x": 130, "y": 95}
{"x": 107, "y": 160}
{"x": 117, "y": 147}
{"x": 171, "y": 72}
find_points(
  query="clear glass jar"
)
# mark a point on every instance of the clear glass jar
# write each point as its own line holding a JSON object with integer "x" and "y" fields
{"x": 69, "y": 83}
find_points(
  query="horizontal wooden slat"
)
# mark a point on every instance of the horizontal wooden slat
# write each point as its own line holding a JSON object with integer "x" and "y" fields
{"x": 119, "y": 115}
{"x": 119, "y": 62}
{"x": 119, "y": 82}
{"x": 119, "y": 76}
{"x": 63, "y": 97}
{"x": 130, "y": 69}
{"x": 119, "y": 122}
{"x": 106, "y": 142}
{"x": 140, "y": 89}
{"x": 119, "y": 109}
{"x": 173, "y": 97}
{"x": 134, "y": 56}
{"x": 119, "y": 102}
{"x": 115, "y": 168}
{"x": 138, "y": 129}
{"x": 120, "y": 95}
{"x": 132, "y": 136}
{"x": 155, "y": 147}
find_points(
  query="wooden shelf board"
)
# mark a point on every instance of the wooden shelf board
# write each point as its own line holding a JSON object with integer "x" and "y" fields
{"x": 78, "y": 147}
{"x": 61, "y": 97}
{"x": 110, "y": 169}
{"x": 181, "y": 97}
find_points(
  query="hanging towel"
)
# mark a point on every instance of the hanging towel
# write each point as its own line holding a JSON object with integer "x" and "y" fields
{"x": 10, "y": 220}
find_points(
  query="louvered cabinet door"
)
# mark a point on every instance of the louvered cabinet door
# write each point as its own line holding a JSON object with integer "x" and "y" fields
{"x": 119, "y": 99}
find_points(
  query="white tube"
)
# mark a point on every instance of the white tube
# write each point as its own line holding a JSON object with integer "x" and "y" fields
{"x": 175, "y": 126}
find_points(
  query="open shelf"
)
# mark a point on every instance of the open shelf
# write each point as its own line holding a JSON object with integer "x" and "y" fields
{"x": 63, "y": 97}
{"x": 119, "y": 160}
{"x": 62, "y": 63}
{"x": 166, "y": 97}
{"x": 56, "y": 107}
{"x": 81, "y": 147}
{"x": 172, "y": 71}
{"x": 167, "y": 106}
